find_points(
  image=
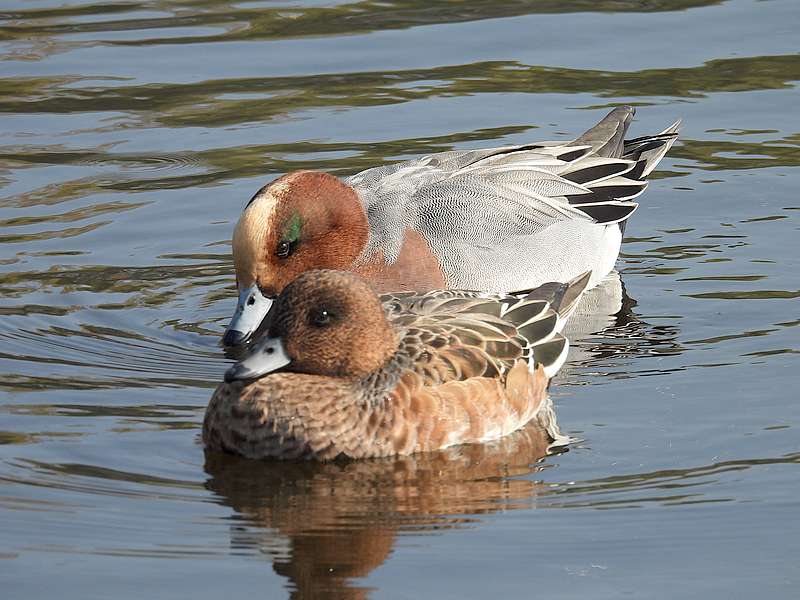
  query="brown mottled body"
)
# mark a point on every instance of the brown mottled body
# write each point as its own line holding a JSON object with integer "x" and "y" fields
{"x": 330, "y": 419}
{"x": 365, "y": 379}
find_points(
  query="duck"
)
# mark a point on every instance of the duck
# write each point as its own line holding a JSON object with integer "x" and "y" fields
{"x": 345, "y": 373}
{"x": 497, "y": 219}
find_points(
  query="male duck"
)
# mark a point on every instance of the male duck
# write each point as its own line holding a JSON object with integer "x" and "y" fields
{"x": 362, "y": 376}
{"x": 499, "y": 219}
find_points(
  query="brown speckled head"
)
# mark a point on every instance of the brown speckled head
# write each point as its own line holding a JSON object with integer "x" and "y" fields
{"x": 332, "y": 323}
{"x": 303, "y": 220}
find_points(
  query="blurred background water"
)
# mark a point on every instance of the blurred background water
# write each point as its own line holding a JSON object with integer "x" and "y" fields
{"x": 132, "y": 134}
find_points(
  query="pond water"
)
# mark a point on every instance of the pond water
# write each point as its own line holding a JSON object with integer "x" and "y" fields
{"x": 132, "y": 135}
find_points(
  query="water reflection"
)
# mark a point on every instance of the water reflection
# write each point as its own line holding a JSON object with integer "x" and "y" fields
{"x": 670, "y": 487}
{"x": 340, "y": 521}
{"x": 606, "y": 334}
{"x": 324, "y": 526}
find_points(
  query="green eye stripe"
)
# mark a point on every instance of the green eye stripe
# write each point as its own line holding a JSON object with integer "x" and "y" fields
{"x": 292, "y": 231}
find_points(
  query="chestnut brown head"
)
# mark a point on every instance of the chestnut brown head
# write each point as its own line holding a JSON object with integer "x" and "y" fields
{"x": 324, "y": 323}
{"x": 304, "y": 220}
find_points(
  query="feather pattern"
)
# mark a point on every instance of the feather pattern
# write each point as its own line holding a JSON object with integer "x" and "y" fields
{"x": 460, "y": 367}
{"x": 495, "y": 207}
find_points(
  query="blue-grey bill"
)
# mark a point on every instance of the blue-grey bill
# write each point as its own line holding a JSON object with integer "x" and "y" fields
{"x": 266, "y": 356}
{"x": 251, "y": 309}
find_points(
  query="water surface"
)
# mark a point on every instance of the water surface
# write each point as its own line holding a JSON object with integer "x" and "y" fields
{"x": 133, "y": 134}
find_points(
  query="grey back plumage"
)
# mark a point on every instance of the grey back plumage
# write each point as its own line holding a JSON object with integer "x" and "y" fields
{"x": 516, "y": 216}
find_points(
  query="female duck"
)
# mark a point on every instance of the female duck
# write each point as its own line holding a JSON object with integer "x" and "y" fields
{"x": 344, "y": 373}
{"x": 498, "y": 219}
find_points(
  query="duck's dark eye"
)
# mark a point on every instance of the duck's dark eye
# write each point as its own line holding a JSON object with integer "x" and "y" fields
{"x": 321, "y": 317}
{"x": 285, "y": 248}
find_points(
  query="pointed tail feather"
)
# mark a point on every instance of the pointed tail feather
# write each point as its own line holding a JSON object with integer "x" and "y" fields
{"x": 648, "y": 151}
{"x": 562, "y": 297}
{"x": 539, "y": 315}
{"x": 607, "y": 137}
{"x": 613, "y": 180}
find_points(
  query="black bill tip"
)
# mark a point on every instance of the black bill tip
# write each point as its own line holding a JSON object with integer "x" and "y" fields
{"x": 236, "y": 373}
{"x": 233, "y": 337}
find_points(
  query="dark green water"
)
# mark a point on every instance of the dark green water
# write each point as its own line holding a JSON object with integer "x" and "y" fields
{"x": 131, "y": 135}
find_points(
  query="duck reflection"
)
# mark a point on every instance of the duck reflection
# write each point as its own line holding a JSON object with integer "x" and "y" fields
{"x": 604, "y": 332}
{"x": 328, "y": 524}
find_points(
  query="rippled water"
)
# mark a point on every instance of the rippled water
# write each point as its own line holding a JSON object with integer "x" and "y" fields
{"x": 132, "y": 135}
